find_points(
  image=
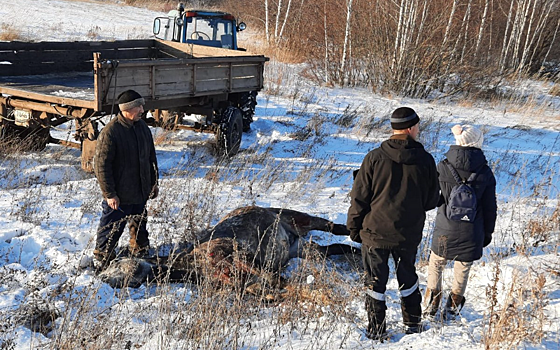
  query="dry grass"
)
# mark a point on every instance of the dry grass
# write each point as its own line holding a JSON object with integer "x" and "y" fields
{"x": 9, "y": 32}
{"x": 540, "y": 231}
{"x": 155, "y": 5}
{"x": 202, "y": 316}
{"x": 555, "y": 90}
{"x": 520, "y": 314}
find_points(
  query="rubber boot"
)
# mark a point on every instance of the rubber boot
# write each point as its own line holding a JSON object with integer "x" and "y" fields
{"x": 377, "y": 326}
{"x": 412, "y": 312}
{"x": 433, "y": 301}
{"x": 453, "y": 306}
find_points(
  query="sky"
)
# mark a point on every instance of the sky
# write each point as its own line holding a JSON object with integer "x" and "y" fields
{"x": 299, "y": 155}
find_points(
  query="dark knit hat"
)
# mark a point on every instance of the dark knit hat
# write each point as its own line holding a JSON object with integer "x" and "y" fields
{"x": 404, "y": 118}
{"x": 130, "y": 99}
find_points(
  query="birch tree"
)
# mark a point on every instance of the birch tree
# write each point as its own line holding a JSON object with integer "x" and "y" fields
{"x": 466, "y": 21}
{"x": 278, "y": 12}
{"x": 481, "y": 28}
{"x": 536, "y": 27}
{"x": 326, "y": 42}
{"x": 266, "y": 24}
{"x": 346, "y": 41}
{"x": 521, "y": 17}
{"x": 505, "y": 43}
{"x": 449, "y": 22}
{"x": 286, "y": 15}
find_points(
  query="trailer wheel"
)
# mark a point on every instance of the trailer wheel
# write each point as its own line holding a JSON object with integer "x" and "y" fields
{"x": 230, "y": 131}
{"x": 247, "y": 104}
{"x": 32, "y": 138}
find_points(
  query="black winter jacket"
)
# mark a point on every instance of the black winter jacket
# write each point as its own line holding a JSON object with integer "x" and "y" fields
{"x": 459, "y": 240}
{"x": 395, "y": 186}
{"x": 125, "y": 161}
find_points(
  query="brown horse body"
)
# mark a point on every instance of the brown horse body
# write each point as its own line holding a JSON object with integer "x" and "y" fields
{"x": 250, "y": 245}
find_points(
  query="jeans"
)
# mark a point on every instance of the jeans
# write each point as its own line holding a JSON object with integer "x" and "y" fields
{"x": 112, "y": 223}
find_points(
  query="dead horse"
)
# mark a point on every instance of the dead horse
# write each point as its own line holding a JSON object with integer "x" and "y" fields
{"x": 249, "y": 245}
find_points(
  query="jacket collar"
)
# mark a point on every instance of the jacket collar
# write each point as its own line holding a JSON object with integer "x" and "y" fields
{"x": 403, "y": 137}
{"x": 124, "y": 122}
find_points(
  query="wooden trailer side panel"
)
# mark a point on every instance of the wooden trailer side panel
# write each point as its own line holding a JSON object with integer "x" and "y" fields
{"x": 187, "y": 78}
{"x": 23, "y": 58}
{"x": 92, "y": 74}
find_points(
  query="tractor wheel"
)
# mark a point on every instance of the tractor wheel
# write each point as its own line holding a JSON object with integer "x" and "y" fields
{"x": 247, "y": 104}
{"x": 230, "y": 131}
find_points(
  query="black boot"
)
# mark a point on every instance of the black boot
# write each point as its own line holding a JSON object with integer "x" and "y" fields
{"x": 377, "y": 327}
{"x": 412, "y": 312}
{"x": 453, "y": 306}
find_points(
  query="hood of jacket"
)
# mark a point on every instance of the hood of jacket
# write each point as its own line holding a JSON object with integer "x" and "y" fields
{"x": 466, "y": 158}
{"x": 403, "y": 149}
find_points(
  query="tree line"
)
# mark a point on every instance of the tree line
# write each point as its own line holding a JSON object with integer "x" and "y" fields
{"x": 411, "y": 47}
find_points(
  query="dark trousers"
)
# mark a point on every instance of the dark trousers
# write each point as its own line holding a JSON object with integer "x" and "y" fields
{"x": 112, "y": 223}
{"x": 376, "y": 265}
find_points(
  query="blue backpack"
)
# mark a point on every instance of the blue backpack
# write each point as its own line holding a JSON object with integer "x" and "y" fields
{"x": 462, "y": 202}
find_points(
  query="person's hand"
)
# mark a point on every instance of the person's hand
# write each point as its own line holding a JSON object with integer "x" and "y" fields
{"x": 155, "y": 192}
{"x": 114, "y": 202}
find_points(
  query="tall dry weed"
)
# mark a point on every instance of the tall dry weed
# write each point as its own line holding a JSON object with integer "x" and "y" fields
{"x": 519, "y": 315}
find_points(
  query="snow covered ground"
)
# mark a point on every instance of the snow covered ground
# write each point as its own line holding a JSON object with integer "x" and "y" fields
{"x": 300, "y": 154}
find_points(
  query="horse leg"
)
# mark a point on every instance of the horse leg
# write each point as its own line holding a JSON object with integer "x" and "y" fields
{"x": 302, "y": 223}
{"x": 303, "y": 249}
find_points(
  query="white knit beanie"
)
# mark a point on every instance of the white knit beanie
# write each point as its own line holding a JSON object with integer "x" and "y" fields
{"x": 468, "y": 136}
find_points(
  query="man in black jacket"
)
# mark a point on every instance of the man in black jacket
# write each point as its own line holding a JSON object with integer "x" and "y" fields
{"x": 395, "y": 186}
{"x": 126, "y": 169}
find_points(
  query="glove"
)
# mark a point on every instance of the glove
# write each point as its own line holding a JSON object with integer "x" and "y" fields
{"x": 487, "y": 240}
{"x": 355, "y": 236}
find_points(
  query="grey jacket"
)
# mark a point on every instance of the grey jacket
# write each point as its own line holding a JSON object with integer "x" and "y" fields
{"x": 125, "y": 161}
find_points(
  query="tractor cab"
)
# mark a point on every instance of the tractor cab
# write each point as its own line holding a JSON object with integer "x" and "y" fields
{"x": 208, "y": 28}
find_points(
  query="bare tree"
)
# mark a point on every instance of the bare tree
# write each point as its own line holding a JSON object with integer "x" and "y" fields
{"x": 449, "y": 22}
{"x": 325, "y": 26}
{"x": 286, "y": 15}
{"x": 411, "y": 46}
{"x": 266, "y": 22}
{"x": 346, "y": 41}
{"x": 466, "y": 21}
{"x": 505, "y": 44}
{"x": 481, "y": 28}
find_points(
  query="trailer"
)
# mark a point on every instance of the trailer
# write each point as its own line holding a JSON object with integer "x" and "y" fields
{"x": 46, "y": 84}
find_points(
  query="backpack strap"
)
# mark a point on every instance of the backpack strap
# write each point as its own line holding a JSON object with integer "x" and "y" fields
{"x": 456, "y": 174}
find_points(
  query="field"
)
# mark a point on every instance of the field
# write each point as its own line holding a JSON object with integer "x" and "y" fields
{"x": 304, "y": 144}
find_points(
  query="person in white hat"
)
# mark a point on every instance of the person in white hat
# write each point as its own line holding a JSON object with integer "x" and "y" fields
{"x": 460, "y": 239}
